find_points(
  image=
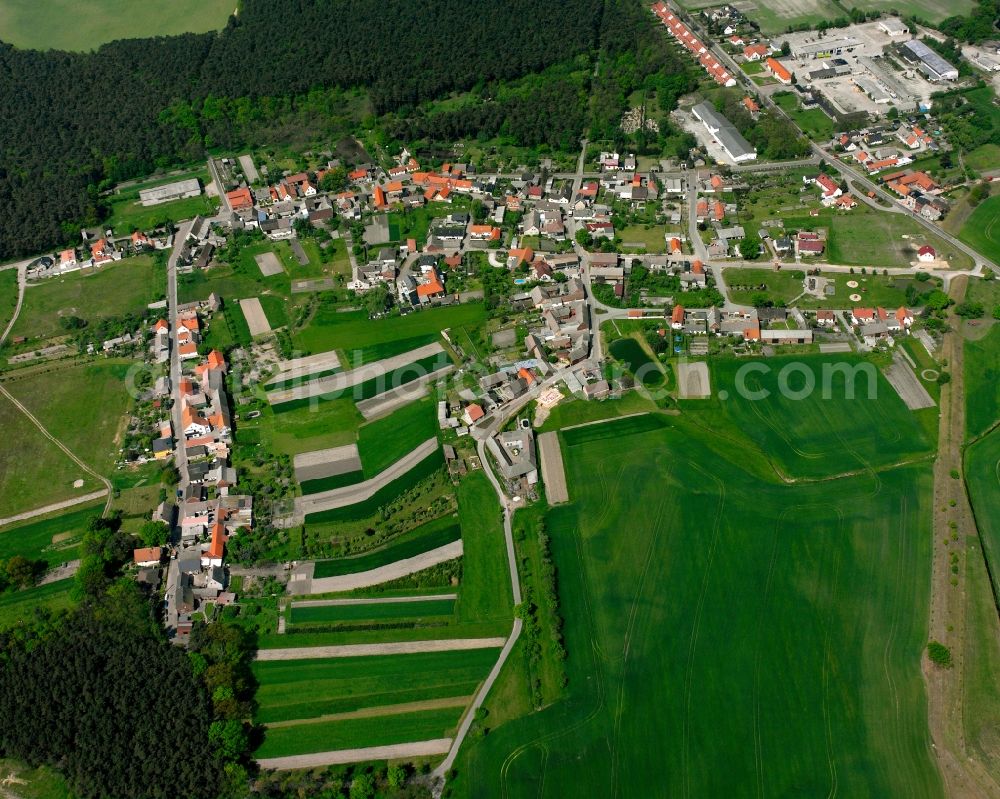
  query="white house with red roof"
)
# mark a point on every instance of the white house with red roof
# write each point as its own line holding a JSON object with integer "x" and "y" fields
{"x": 926, "y": 253}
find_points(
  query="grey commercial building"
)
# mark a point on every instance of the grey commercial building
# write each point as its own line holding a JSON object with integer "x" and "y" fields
{"x": 171, "y": 191}
{"x": 929, "y": 62}
{"x": 725, "y": 133}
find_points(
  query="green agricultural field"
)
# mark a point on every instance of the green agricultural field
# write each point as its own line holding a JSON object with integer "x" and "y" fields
{"x": 812, "y": 436}
{"x": 55, "y": 538}
{"x": 305, "y": 689}
{"x": 573, "y": 411}
{"x": 326, "y": 424}
{"x": 982, "y": 229}
{"x": 729, "y": 634}
{"x": 70, "y": 25}
{"x": 126, "y": 286}
{"x": 982, "y": 474}
{"x": 16, "y": 606}
{"x": 334, "y": 330}
{"x": 775, "y": 17}
{"x": 61, "y": 399}
{"x": 930, "y": 10}
{"x": 415, "y": 542}
{"x": 982, "y": 374}
{"x": 357, "y": 356}
{"x": 372, "y": 612}
{"x": 323, "y": 736}
{"x": 384, "y": 441}
{"x": 33, "y": 471}
{"x": 485, "y": 594}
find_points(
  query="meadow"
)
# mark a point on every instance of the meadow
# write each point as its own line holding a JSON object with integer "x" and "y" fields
{"x": 8, "y": 296}
{"x": 54, "y": 538}
{"x": 15, "y": 606}
{"x": 61, "y": 398}
{"x": 126, "y": 286}
{"x": 331, "y": 329}
{"x": 728, "y": 634}
{"x": 33, "y": 471}
{"x": 982, "y": 229}
{"x": 485, "y": 594}
{"x": 71, "y": 25}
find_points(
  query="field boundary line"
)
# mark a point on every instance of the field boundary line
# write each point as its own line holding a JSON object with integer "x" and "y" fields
{"x": 393, "y": 648}
{"x": 51, "y": 508}
{"x": 605, "y": 421}
{"x": 338, "y": 757}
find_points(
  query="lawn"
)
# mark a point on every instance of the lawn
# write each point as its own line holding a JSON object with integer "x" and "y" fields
{"x": 651, "y": 238}
{"x": 813, "y": 121}
{"x": 787, "y": 284}
{"x": 54, "y": 538}
{"x": 982, "y": 373}
{"x": 62, "y": 398}
{"x": 126, "y": 286}
{"x": 334, "y": 330}
{"x": 353, "y": 733}
{"x": 415, "y": 542}
{"x": 71, "y": 25}
{"x": 373, "y": 612}
{"x": 813, "y": 436}
{"x": 486, "y": 591}
{"x": 128, "y": 214}
{"x": 17, "y": 606}
{"x": 303, "y": 689}
{"x": 629, "y": 352}
{"x": 728, "y": 634}
{"x": 982, "y": 229}
{"x": 33, "y": 471}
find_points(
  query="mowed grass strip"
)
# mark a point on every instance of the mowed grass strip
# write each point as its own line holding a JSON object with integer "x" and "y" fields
{"x": 356, "y": 733}
{"x": 301, "y": 689}
{"x": 332, "y": 330}
{"x": 415, "y": 542}
{"x": 379, "y": 611}
{"x": 35, "y": 539}
{"x": 362, "y": 510}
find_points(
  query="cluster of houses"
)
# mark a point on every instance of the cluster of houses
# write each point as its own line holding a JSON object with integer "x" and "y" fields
{"x": 747, "y": 324}
{"x": 918, "y": 192}
{"x": 875, "y": 325}
{"x": 98, "y": 249}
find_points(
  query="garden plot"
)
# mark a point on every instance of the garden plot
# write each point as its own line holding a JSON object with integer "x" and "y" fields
{"x": 389, "y": 401}
{"x": 253, "y": 311}
{"x": 327, "y": 463}
{"x": 692, "y": 380}
{"x": 553, "y": 472}
{"x": 269, "y": 263}
{"x": 902, "y": 378}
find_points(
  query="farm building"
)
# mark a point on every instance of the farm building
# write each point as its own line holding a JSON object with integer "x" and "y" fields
{"x": 178, "y": 190}
{"x": 725, "y": 133}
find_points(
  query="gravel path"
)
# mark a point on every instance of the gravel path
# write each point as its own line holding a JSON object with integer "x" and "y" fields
{"x": 392, "y": 648}
{"x": 359, "y": 492}
{"x": 394, "y": 752}
{"x": 344, "y": 380}
{"x": 66, "y": 503}
{"x": 553, "y": 471}
{"x": 383, "y": 574}
{"x": 382, "y": 600}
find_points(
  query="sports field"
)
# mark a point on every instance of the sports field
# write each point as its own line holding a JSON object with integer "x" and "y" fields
{"x": 72, "y": 25}
{"x": 728, "y": 634}
{"x": 982, "y": 229}
{"x": 123, "y": 287}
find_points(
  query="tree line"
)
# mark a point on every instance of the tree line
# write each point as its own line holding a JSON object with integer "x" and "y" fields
{"x": 75, "y": 121}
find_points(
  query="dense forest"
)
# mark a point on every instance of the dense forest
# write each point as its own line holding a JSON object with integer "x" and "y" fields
{"x": 75, "y": 120}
